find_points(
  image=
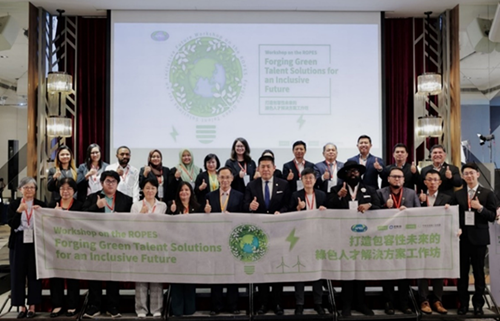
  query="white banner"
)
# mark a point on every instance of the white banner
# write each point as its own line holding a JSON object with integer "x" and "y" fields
{"x": 248, "y": 248}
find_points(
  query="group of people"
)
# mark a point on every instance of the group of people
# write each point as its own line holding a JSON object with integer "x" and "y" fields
{"x": 241, "y": 185}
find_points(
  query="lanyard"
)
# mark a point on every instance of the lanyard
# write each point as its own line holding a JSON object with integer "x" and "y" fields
{"x": 310, "y": 204}
{"x": 332, "y": 168}
{"x": 113, "y": 207}
{"x": 354, "y": 192}
{"x": 186, "y": 211}
{"x": 160, "y": 177}
{"x": 124, "y": 176}
{"x": 70, "y": 204}
{"x": 243, "y": 168}
{"x": 94, "y": 177}
{"x": 223, "y": 206}
{"x": 28, "y": 216}
{"x": 297, "y": 167}
{"x": 214, "y": 183}
{"x": 154, "y": 207}
{"x": 398, "y": 202}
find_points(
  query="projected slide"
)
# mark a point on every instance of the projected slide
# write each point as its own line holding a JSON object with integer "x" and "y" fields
{"x": 201, "y": 85}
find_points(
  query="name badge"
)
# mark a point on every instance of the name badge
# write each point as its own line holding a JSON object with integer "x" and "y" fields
{"x": 469, "y": 218}
{"x": 330, "y": 185}
{"x": 246, "y": 179}
{"x": 300, "y": 185}
{"x": 160, "y": 191}
{"x": 353, "y": 205}
{"x": 192, "y": 184}
{"x": 28, "y": 236}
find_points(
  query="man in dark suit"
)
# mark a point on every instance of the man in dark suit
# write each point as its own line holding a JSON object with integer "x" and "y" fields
{"x": 450, "y": 175}
{"x": 292, "y": 169}
{"x": 267, "y": 195}
{"x": 397, "y": 196}
{"x": 224, "y": 200}
{"x": 108, "y": 200}
{"x": 477, "y": 207}
{"x": 353, "y": 194}
{"x": 327, "y": 170}
{"x": 308, "y": 198}
{"x": 432, "y": 180}
{"x": 374, "y": 165}
{"x": 410, "y": 170}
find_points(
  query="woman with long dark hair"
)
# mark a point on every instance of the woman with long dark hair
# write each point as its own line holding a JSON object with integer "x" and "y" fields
{"x": 89, "y": 173}
{"x": 241, "y": 164}
{"x": 64, "y": 166}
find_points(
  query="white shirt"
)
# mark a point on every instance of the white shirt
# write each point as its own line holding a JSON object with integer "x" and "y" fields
{"x": 129, "y": 181}
{"x": 431, "y": 198}
{"x": 159, "y": 207}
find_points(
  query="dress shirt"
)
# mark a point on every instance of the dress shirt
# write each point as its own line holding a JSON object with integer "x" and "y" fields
{"x": 129, "y": 184}
{"x": 431, "y": 198}
{"x": 300, "y": 166}
{"x": 159, "y": 207}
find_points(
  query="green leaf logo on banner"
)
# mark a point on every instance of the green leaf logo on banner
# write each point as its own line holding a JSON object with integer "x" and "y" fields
{"x": 248, "y": 243}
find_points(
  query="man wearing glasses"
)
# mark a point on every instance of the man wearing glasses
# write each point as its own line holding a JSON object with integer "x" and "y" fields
{"x": 108, "y": 200}
{"x": 397, "y": 196}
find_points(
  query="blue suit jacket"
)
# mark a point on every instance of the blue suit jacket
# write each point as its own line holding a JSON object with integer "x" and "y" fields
{"x": 370, "y": 178}
{"x": 320, "y": 169}
{"x": 234, "y": 203}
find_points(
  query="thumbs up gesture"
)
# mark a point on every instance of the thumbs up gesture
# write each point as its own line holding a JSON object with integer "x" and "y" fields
{"x": 147, "y": 169}
{"x": 300, "y": 204}
{"x": 389, "y": 203}
{"x": 177, "y": 173}
{"x": 290, "y": 175}
{"x": 58, "y": 207}
{"x": 144, "y": 208}
{"x": 22, "y": 207}
{"x": 173, "y": 207}
{"x": 119, "y": 170}
{"x": 475, "y": 204}
{"x": 448, "y": 173}
{"x": 413, "y": 168}
{"x": 343, "y": 191}
{"x": 377, "y": 165}
{"x": 254, "y": 205}
{"x": 57, "y": 174}
{"x": 208, "y": 208}
{"x": 203, "y": 186}
{"x": 101, "y": 202}
{"x": 422, "y": 196}
{"x": 326, "y": 176}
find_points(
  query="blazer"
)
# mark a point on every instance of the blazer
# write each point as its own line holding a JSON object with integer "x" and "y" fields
{"x": 320, "y": 169}
{"x": 411, "y": 180}
{"x": 238, "y": 183}
{"x": 196, "y": 209}
{"x": 441, "y": 200}
{"x": 447, "y": 185}
{"x": 14, "y": 218}
{"x": 234, "y": 203}
{"x": 123, "y": 202}
{"x": 170, "y": 183}
{"x": 410, "y": 198}
{"x": 478, "y": 234}
{"x": 370, "y": 177}
{"x": 82, "y": 183}
{"x": 53, "y": 184}
{"x": 364, "y": 195}
{"x": 292, "y": 184}
{"x": 280, "y": 198}
{"x": 319, "y": 196}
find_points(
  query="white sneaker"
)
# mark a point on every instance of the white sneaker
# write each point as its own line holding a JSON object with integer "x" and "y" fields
{"x": 157, "y": 315}
{"x": 141, "y": 315}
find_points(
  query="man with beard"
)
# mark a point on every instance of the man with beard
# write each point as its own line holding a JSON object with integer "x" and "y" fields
{"x": 374, "y": 165}
{"x": 397, "y": 196}
{"x": 328, "y": 169}
{"x": 129, "y": 183}
{"x": 353, "y": 194}
{"x": 450, "y": 175}
{"x": 400, "y": 154}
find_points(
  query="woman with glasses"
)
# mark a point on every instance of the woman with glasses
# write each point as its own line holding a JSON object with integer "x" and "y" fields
{"x": 67, "y": 202}
{"x": 64, "y": 166}
{"x": 89, "y": 173}
{"x": 241, "y": 164}
{"x": 207, "y": 181}
{"x": 22, "y": 249}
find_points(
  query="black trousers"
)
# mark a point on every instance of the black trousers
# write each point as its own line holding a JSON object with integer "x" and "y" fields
{"x": 471, "y": 255}
{"x": 57, "y": 293}
{"x": 112, "y": 293}
{"x": 231, "y": 297}
{"x": 265, "y": 296}
{"x": 353, "y": 291}
{"x": 403, "y": 291}
{"x": 22, "y": 267}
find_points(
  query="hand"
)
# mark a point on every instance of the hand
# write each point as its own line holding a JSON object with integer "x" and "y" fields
{"x": 459, "y": 232}
{"x": 413, "y": 168}
{"x": 119, "y": 170}
{"x": 326, "y": 176}
{"x": 290, "y": 175}
{"x": 422, "y": 196}
{"x": 475, "y": 204}
{"x": 101, "y": 202}
{"x": 203, "y": 186}
{"x": 389, "y": 203}
{"x": 321, "y": 208}
{"x": 93, "y": 171}
{"x": 342, "y": 192}
{"x": 377, "y": 165}
{"x": 22, "y": 207}
{"x": 364, "y": 207}
{"x": 254, "y": 205}
{"x": 173, "y": 207}
{"x": 35, "y": 207}
{"x": 402, "y": 208}
{"x": 147, "y": 169}
{"x": 300, "y": 204}
{"x": 498, "y": 213}
{"x": 208, "y": 208}
{"x": 144, "y": 209}
{"x": 277, "y": 213}
{"x": 57, "y": 174}
{"x": 242, "y": 173}
{"x": 58, "y": 207}
{"x": 446, "y": 206}
{"x": 448, "y": 173}
{"x": 177, "y": 173}
{"x": 256, "y": 175}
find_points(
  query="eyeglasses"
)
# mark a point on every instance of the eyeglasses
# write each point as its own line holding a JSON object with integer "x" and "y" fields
{"x": 110, "y": 182}
{"x": 432, "y": 179}
{"x": 396, "y": 176}
{"x": 94, "y": 153}
{"x": 469, "y": 173}
{"x": 29, "y": 188}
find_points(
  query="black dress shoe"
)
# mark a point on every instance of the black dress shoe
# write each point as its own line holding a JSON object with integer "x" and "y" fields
{"x": 234, "y": 311}
{"x": 478, "y": 311}
{"x": 70, "y": 313}
{"x": 346, "y": 312}
{"x": 319, "y": 309}
{"x": 31, "y": 314}
{"x": 462, "y": 311}
{"x": 365, "y": 310}
{"x": 56, "y": 314}
{"x": 22, "y": 314}
{"x": 406, "y": 310}
{"x": 389, "y": 308}
{"x": 214, "y": 312}
{"x": 278, "y": 310}
{"x": 299, "y": 309}
{"x": 262, "y": 310}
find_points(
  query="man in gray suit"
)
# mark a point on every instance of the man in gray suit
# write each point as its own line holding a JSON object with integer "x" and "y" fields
{"x": 397, "y": 196}
{"x": 328, "y": 169}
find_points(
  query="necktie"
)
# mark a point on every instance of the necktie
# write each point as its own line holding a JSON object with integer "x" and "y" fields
{"x": 471, "y": 194}
{"x": 224, "y": 199}
{"x": 267, "y": 196}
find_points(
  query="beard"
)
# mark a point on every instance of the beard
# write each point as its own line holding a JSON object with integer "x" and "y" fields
{"x": 353, "y": 180}
{"x": 395, "y": 186}
{"x": 123, "y": 162}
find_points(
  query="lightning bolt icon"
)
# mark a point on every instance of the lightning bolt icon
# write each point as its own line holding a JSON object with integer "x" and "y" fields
{"x": 301, "y": 121}
{"x": 292, "y": 239}
{"x": 174, "y": 134}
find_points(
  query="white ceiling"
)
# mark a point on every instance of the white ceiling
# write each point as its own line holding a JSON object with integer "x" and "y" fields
{"x": 478, "y": 70}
